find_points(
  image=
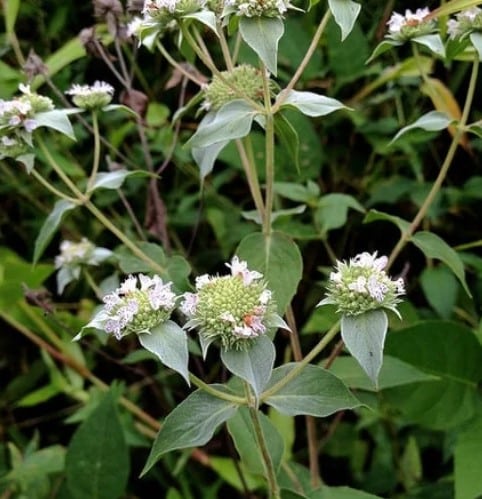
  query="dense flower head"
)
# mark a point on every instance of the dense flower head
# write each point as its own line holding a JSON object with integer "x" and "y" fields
{"x": 77, "y": 253}
{"x": 465, "y": 22}
{"x": 93, "y": 96}
{"x": 362, "y": 285}
{"x": 243, "y": 80}
{"x": 17, "y": 121}
{"x": 257, "y": 8}
{"x": 138, "y": 305}
{"x": 234, "y": 309}
{"x": 412, "y": 24}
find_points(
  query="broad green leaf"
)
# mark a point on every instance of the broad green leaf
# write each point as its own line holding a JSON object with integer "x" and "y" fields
{"x": 308, "y": 194}
{"x": 168, "y": 342}
{"x": 309, "y": 103}
{"x": 476, "y": 40}
{"x": 433, "y": 42}
{"x": 341, "y": 493}
{"x": 278, "y": 258}
{"x": 375, "y": 215}
{"x": 286, "y": 428}
{"x": 262, "y": 34}
{"x": 468, "y": 449}
{"x": 28, "y": 160}
{"x": 232, "y": 121}
{"x": 15, "y": 273}
{"x": 364, "y": 337}
{"x": 332, "y": 211}
{"x": 254, "y": 365}
{"x": 205, "y": 157}
{"x": 192, "y": 423}
{"x": 433, "y": 121}
{"x": 58, "y": 120}
{"x": 345, "y": 13}
{"x": 114, "y": 179}
{"x": 97, "y": 460}
{"x": 241, "y": 429}
{"x": 440, "y": 288}
{"x": 11, "y": 11}
{"x": 205, "y": 17}
{"x": 50, "y": 226}
{"x": 433, "y": 246}
{"x": 313, "y": 391}
{"x": 288, "y": 137}
{"x": 446, "y": 350}
{"x": 228, "y": 469}
{"x": 394, "y": 372}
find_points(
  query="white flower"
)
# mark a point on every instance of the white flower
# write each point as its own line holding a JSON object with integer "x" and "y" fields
{"x": 466, "y": 21}
{"x": 93, "y": 96}
{"x": 189, "y": 304}
{"x": 240, "y": 268}
{"x": 265, "y": 297}
{"x": 397, "y": 21}
{"x": 202, "y": 280}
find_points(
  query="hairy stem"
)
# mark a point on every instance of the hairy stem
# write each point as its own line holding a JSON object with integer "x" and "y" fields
{"x": 96, "y": 160}
{"x": 269, "y": 153}
{"x": 215, "y": 392}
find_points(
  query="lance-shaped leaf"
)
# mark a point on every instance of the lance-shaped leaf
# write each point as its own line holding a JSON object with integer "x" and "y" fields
{"x": 313, "y": 391}
{"x": 58, "y": 120}
{"x": 205, "y": 17}
{"x": 364, "y": 337}
{"x": 192, "y": 423}
{"x": 382, "y": 47}
{"x": 476, "y": 41}
{"x": 113, "y": 180}
{"x": 432, "y": 122}
{"x": 433, "y": 42}
{"x": 435, "y": 247}
{"x": 345, "y": 13}
{"x": 311, "y": 104}
{"x": 168, "y": 342}
{"x": 50, "y": 225}
{"x": 232, "y": 121}
{"x": 262, "y": 34}
{"x": 254, "y": 365}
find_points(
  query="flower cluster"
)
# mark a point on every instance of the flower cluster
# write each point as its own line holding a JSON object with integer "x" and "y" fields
{"x": 362, "y": 285}
{"x": 93, "y": 96}
{"x": 130, "y": 309}
{"x": 465, "y": 22}
{"x": 71, "y": 258}
{"x": 224, "y": 88}
{"x": 412, "y": 24}
{"x": 256, "y": 8}
{"x": 234, "y": 309}
{"x": 159, "y": 16}
{"x": 17, "y": 121}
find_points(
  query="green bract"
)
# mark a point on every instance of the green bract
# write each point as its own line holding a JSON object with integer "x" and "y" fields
{"x": 362, "y": 285}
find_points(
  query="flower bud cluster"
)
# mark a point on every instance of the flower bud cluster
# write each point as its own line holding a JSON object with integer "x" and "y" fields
{"x": 465, "y": 22}
{"x": 362, "y": 285}
{"x": 130, "y": 309}
{"x": 17, "y": 121}
{"x": 233, "y": 309}
{"x": 257, "y": 8}
{"x": 242, "y": 81}
{"x": 93, "y": 96}
{"x": 412, "y": 24}
{"x": 159, "y": 16}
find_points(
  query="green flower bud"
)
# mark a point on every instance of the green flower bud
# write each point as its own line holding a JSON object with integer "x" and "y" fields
{"x": 362, "y": 285}
{"x": 243, "y": 80}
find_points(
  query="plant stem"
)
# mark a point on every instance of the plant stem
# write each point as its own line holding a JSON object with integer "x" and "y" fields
{"x": 51, "y": 188}
{"x": 93, "y": 284}
{"x": 300, "y": 366}
{"x": 246, "y": 155}
{"x": 215, "y": 392}
{"x": 225, "y": 49}
{"x": 405, "y": 237}
{"x": 96, "y": 161}
{"x": 176, "y": 65}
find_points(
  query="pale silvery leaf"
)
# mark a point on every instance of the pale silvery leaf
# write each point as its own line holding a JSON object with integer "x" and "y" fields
{"x": 311, "y": 104}
{"x": 432, "y": 42}
{"x": 345, "y": 13}
{"x": 433, "y": 121}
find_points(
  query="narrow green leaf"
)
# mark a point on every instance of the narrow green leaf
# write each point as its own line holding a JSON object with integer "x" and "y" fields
{"x": 168, "y": 342}
{"x": 382, "y": 47}
{"x": 97, "y": 460}
{"x": 50, "y": 226}
{"x": 433, "y": 42}
{"x": 262, "y": 34}
{"x": 205, "y": 17}
{"x": 432, "y": 122}
{"x": 192, "y": 423}
{"x": 278, "y": 258}
{"x": 232, "y": 121}
{"x": 375, "y": 215}
{"x": 241, "y": 429}
{"x": 433, "y": 246}
{"x": 311, "y": 104}
{"x": 113, "y": 180}
{"x": 468, "y": 449}
{"x": 364, "y": 337}
{"x": 345, "y": 13}
{"x": 11, "y": 12}
{"x": 314, "y": 391}
{"x": 254, "y": 365}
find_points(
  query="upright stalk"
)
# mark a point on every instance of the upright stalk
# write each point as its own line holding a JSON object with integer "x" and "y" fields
{"x": 96, "y": 160}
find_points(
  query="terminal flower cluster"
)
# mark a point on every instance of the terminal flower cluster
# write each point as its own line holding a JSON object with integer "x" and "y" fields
{"x": 362, "y": 285}
{"x": 256, "y": 8}
{"x": 410, "y": 25}
{"x": 465, "y": 22}
{"x": 137, "y": 306}
{"x": 17, "y": 121}
{"x": 93, "y": 96}
{"x": 233, "y": 309}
